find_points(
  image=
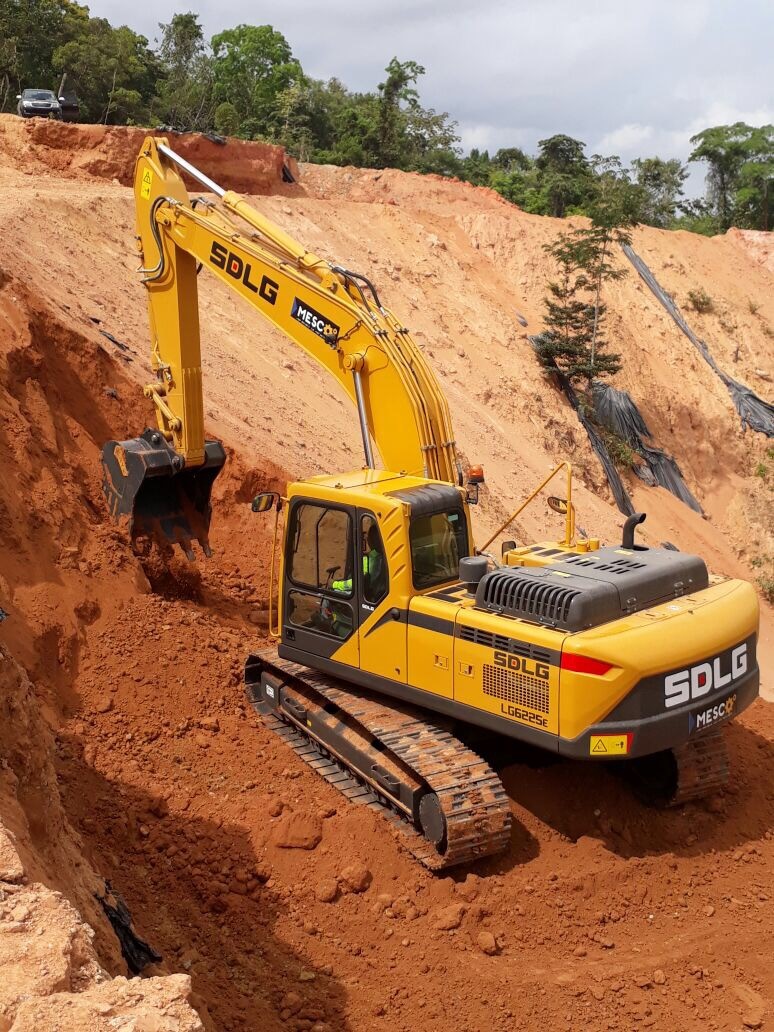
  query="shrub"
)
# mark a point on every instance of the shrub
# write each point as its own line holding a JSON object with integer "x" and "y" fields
{"x": 700, "y": 301}
{"x": 226, "y": 119}
{"x": 766, "y": 585}
{"x": 621, "y": 452}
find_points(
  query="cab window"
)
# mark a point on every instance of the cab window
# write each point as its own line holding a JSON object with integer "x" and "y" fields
{"x": 320, "y": 613}
{"x": 438, "y": 542}
{"x": 375, "y": 575}
{"x": 321, "y": 549}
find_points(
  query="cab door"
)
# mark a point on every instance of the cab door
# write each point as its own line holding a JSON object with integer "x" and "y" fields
{"x": 320, "y": 613}
{"x": 382, "y": 614}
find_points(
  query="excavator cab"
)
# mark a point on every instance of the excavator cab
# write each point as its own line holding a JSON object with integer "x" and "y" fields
{"x": 163, "y": 501}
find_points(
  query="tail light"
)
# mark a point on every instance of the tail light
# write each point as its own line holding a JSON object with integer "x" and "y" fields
{"x": 584, "y": 664}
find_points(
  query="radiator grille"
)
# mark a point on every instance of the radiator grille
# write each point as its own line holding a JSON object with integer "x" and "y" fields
{"x": 520, "y": 689}
{"x": 513, "y": 594}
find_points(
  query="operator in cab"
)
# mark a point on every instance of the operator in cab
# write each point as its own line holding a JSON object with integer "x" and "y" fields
{"x": 374, "y": 580}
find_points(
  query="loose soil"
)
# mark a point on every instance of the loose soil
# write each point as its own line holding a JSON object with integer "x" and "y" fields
{"x": 129, "y": 752}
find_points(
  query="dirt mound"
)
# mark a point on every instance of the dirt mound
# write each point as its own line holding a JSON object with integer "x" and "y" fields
{"x": 759, "y": 245}
{"x": 391, "y": 187}
{"x": 152, "y": 772}
{"x": 45, "y": 147}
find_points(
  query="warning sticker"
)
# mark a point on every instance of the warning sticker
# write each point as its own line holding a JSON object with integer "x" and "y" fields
{"x": 147, "y": 180}
{"x": 610, "y": 745}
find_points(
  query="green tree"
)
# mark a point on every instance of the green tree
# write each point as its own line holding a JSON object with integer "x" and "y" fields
{"x": 396, "y": 94}
{"x": 754, "y": 198}
{"x": 568, "y": 317}
{"x": 186, "y": 98}
{"x": 226, "y": 119}
{"x": 697, "y": 216}
{"x": 477, "y": 168}
{"x": 342, "y": 124}
{"x": 112, "y": 69}
{"x": 512, "y": 159}
{"x": 30, "y": 32}
{"x": 563, "y": 174}
{"x": 431, "y": 141}
{"x": 253, "y": 66}
{"x": 614, "y": 205}
{"x": 516, "y": 177}
{"x": 293, "y": 113}
{"x": 575, "y": 312}
{"x": 724, "y": 149}
{"x": 662, "y": 185}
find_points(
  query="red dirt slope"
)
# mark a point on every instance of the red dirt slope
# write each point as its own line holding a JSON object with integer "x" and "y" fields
{"x": 42, "y": 147}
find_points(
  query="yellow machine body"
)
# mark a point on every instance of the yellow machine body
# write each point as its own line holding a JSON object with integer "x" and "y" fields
{"x": 434, "y": 647}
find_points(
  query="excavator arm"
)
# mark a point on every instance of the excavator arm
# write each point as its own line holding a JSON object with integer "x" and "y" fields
{"x": 162, "y": 480}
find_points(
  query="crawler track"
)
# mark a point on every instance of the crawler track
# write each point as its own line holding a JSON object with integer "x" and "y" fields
{"x": 448, "y": 804}
{"x": 702, "y": 767}
{"x": 676, "y": 776}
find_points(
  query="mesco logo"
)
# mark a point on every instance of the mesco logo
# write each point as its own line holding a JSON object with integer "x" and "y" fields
{"x": 703, "y": 678}
{"x": 707, "y": 717}
{"x": 522, "y": 665}
{"x": 315, "y": 322}
{"x": 235, "y": 266}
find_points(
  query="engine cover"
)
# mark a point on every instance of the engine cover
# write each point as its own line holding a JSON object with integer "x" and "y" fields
{"x": 591, "y": 588}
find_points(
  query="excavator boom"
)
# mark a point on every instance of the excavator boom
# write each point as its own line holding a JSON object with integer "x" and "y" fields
{"x": 162, "y": 481}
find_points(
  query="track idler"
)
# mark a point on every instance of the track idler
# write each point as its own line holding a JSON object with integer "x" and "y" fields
{"x": 146, "y": 485}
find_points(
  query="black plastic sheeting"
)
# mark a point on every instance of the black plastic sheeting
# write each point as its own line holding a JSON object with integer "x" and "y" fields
{"x": 621, "y": 495}
{"x": 617, "y": 411}
{"x": 753, "y": 411}
{"x": 135, "y": 951}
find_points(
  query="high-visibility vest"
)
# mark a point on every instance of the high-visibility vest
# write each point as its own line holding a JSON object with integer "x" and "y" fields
{"x": 345, "y": 586}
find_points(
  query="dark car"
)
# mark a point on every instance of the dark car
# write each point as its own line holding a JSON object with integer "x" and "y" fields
{"x": 38, "y": 102}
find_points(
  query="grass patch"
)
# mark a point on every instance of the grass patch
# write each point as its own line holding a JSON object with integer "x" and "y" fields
{"x": 700, "y": 301}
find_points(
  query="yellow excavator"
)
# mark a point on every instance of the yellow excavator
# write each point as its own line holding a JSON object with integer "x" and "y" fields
{"x": 394, "y": 633}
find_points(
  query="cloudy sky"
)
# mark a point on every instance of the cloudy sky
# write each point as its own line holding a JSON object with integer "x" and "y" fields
{"x": 633, "y": 79}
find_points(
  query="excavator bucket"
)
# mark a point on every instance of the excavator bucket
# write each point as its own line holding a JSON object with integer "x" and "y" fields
{"x": 145, "y": 482}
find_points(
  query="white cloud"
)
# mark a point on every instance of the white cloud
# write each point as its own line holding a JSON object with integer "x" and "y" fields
{"x": 626, "y": 138}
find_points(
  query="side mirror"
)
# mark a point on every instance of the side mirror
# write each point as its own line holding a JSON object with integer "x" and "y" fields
{"x": 266, "y": 501}
{"x": 558, "y": 505}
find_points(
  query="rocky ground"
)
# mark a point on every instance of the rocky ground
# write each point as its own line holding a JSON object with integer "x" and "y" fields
{"x": 127, "y": 751}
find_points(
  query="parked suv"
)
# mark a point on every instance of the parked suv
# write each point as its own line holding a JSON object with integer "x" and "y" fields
{"x": 38, "y": 102}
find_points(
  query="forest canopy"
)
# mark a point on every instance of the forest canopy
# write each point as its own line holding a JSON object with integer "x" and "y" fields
{"x": 245, "y": 82}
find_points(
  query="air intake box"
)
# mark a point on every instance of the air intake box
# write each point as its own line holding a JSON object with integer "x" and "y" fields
{"x": 591, "y": 588}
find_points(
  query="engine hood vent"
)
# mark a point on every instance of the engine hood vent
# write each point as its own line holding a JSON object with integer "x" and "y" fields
{"x": 593, "y": 588}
